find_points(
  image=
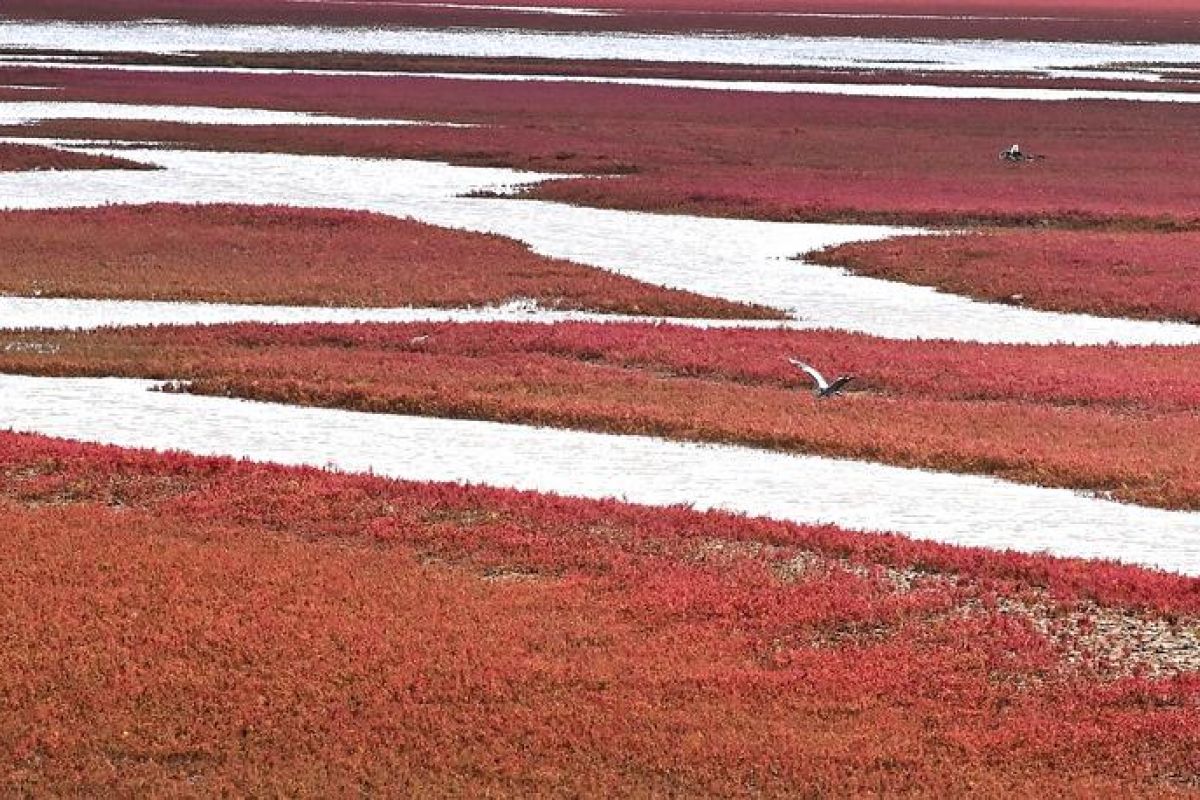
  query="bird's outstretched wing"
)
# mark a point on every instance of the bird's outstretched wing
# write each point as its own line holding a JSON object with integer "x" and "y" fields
{"x": 837, "y": 385}
{"x": 822, "y": 384}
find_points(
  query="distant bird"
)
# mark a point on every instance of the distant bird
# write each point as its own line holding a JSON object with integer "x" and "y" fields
{"x": 1016, "y": 154}
{"x": 823, "y": 388}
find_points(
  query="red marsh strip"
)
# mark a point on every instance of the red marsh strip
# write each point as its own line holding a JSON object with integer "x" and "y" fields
{"x": 175, "y": 624}
{"x": 283, "y": 256}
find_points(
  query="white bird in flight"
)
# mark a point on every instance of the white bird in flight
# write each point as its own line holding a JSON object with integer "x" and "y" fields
{"x": 823, "y": 388}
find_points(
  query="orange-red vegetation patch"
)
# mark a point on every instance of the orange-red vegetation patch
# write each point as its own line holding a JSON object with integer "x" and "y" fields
{"x": 178, "y": 625}
{"x": 252, "y": 254}
{"x": 1121, "y": 274}
{"x": 31, "y": 157}
{"x": 724, "y": 153}
{"x": 1056, "y": 416}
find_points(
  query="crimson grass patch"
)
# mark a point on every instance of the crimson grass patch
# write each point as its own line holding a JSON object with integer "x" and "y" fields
{"x": 250, "y": 254}
{"x": 31, "y": 157}
{"x": 1110, "y": 273}
{"x": 176, "y": 624}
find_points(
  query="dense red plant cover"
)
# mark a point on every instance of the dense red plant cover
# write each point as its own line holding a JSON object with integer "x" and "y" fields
{"x": 743, "y": 154}
{"x": 251, "y": 254}
{"x": 1123, "y": 20}
{"x": 29, "y": 157}
{"x": 1068, "y": 421}
{"x": 176, "y": 625}
{"x": 182, "y": 625}
{"x": 1122, "y": 274}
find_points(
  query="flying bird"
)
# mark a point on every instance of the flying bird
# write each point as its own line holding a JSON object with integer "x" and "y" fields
{"x": 823, "y": 387}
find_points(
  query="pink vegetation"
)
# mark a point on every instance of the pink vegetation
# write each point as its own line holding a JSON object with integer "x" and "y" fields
{"x": 249, "y": 254}
{"x": 1147, "y": 275}
{"x": 742, "y": 154}
{"x": 26, "y": 158}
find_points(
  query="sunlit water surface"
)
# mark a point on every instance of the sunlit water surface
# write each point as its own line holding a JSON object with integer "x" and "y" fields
{"x": 27, "y": 112}
{"x": 23, "y": 313}
{"x": 819, "y": 52}
{"x": 740, "y": 260}
{"x": 958, "y": 509}
{"x": 912, "y": 91}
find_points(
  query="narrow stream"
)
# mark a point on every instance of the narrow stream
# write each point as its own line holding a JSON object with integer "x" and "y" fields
{"x": 958, "y": 509}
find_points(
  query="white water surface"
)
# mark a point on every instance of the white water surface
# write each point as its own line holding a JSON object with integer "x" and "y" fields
{"x": 741, "y": 260}
{"x": 955, "y": 55}
{"x": 555, "y": 11}
{"x": 25, "y": 313}
{"x": 29, "y": 112}
{"x": 893, "y": 90}
{"x": 957, "y": 509}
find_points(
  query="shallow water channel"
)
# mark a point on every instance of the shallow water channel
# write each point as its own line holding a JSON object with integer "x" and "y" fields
{"x": 742, "y": 260}
{"x": 958, "y": 509}
{"x": 27, "y": 112}
{"x": 828, "y": 52}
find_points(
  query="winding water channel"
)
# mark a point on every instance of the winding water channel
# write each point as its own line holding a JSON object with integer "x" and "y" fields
{"x": 959, "y": 509}
{"x": 742, "y": 260}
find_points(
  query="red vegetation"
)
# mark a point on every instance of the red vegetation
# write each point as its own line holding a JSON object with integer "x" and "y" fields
{"x": 1083, "y": 20}
{"x": 744, "y": 154}
{"x": 1145, "y": 275}
{"x": 250, "y": 254}
{"x": 29, "y": 157}
{"x": 177, "y": 625}
{"x": 1069, "y": 421}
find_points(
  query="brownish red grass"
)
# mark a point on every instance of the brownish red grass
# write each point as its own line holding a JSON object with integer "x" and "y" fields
{"x": 249, "y": 254}
{"x": 178, "y": 625}
{"x": 1145, "y": 275}
{"x": 30, "y": 157}
{"x": 1098, "y": 20}
{"x": 1118, "y": 421}
{"x": 742, "y": 154}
